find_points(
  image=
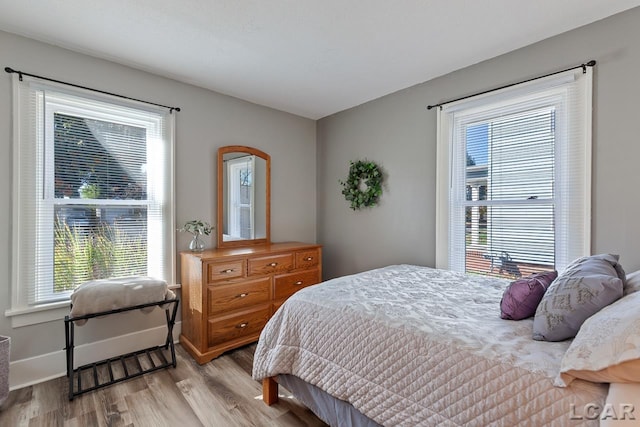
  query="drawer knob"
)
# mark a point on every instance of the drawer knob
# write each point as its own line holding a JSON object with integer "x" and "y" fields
{"x": 299, "y": 282}
{"x": 242, "y": 325}
{"x": 242, "y": 295}
{"x": 228, "y": 270}
{"x": 273, "y": 264}
{"x": 309, "y": 258}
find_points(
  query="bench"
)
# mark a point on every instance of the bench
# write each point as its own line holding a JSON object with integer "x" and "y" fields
{"x": 93, "y": 376}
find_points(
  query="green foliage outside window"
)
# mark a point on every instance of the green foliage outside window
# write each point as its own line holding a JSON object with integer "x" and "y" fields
{"x": 106, "y": 251}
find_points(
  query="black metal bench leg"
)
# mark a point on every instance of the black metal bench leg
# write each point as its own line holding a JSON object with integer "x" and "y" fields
{"x": 170, "y": 323}
{"x": 69, "y": 332}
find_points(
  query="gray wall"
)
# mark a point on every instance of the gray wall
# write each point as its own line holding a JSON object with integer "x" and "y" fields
{"x": 208, "y": 120}
{"x": 399, "y": 133}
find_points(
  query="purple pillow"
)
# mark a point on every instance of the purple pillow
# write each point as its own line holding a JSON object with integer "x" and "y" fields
{"x": 521, "y": 298}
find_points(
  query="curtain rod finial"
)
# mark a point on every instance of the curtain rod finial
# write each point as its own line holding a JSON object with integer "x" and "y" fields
{"x": 591, "y": 63}
{"x": 9, "y": 70}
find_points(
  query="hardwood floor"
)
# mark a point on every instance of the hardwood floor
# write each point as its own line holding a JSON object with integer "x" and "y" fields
{"x": 220, "y": 393}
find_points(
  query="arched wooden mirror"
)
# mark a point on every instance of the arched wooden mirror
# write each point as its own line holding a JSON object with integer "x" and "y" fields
{"x": 244, "y": 193}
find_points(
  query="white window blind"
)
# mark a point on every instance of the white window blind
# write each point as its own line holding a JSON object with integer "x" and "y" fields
{"x": 514, "y": 178}
{"x": 93, "y": 191}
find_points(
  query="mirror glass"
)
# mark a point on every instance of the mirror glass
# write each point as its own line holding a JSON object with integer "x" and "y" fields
{"x": 243, "y": 196}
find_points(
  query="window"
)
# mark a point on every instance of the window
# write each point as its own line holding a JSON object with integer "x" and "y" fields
{"x": 514, "y": 178}
{"x": 93, "y": 180}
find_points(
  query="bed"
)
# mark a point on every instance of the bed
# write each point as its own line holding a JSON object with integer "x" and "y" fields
{"x": 407, "y": 345}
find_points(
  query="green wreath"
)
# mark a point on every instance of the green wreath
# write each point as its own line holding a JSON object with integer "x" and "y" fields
{"x": 367, "y": 173}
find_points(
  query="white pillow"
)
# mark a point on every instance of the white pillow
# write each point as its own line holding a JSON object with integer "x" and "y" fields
{"x": 623, "y": 399}
{"x": 633, "y": 283}
{"x": 607, "y": 346}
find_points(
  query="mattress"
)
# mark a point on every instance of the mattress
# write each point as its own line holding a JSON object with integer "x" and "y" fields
{"x": 414, "y": 346}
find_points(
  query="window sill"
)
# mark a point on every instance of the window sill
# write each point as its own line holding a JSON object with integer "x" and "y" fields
{"x": 33, "y": 315}
{"x": 45, "y": 313}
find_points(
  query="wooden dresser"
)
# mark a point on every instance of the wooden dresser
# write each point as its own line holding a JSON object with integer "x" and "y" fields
{"x": 229, "y": 294}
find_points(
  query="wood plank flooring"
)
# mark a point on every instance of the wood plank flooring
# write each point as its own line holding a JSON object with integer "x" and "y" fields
{"x": 220, "y": 393}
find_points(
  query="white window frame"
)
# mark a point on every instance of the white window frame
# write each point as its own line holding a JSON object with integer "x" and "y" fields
{"x": 61, "y": 99}
{"x": 449, "y": 235}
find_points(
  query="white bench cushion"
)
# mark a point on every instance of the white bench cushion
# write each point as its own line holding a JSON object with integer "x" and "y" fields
{"x": 97, "y": 296}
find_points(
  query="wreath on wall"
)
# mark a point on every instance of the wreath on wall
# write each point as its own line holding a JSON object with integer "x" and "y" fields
{"x": 363, "y": 186}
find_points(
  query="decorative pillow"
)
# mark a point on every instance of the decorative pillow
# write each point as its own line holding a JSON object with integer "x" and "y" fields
{"x": 522, "y": 296}
{"x": 587, "y": 285}
{"x": 607, "y": 347}
{"x": 633, "y": 283}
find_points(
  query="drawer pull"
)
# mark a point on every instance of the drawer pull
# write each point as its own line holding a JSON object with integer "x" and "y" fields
{"x": 228, "y": 270}
{"x": 273, "y": 264}
{"x": 309, "y": 258}
{"x": 242, "y": 295}
{"x": 242, "y": 325}
{"x": 299, "y": 282}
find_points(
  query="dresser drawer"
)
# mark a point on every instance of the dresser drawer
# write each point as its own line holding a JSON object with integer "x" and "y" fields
{"x": 307, "y": 259}
{"x": 271, "y": 264}
{"x": 277, "y": 305}
{"x": 288, "y": 284}
{"x": 221, "y": 331}
{"x": 223, "y": 299}
{"x": 217, "y": 271}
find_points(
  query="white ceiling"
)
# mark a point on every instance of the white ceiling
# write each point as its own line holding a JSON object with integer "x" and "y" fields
{"x": 310, "y": 58}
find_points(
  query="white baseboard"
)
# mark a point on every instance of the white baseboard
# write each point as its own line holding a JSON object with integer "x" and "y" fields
{"x": 34, "y": 370}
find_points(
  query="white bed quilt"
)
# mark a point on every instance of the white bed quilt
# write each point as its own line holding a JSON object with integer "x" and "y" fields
{"x": 409, "y": 346}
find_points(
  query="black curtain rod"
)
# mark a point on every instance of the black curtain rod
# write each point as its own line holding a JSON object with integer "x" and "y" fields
{"x": 22, "y": 73}
{"x": 583, "y": 66}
